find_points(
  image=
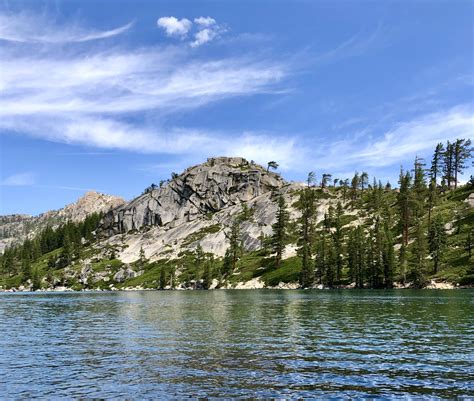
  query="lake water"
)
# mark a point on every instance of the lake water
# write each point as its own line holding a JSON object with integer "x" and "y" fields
{"x": 256, "y": 343}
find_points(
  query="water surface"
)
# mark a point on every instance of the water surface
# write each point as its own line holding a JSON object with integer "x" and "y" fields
{"x": 238, "y": 343}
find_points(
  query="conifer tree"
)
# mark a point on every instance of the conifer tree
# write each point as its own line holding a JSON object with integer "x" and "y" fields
{"x": 437, "y": 241}
{"x": 418, "y": 191}
{"x": 235, "y": 247}
{"x": 142, "y": 258}
{"x": 35, "y": 280}
{"x": 321, "y": 258}
{"x": 419, "y": 253}
{"x": 207, "y": 275}
{"x": 67, "y": 252}
{"x": 388, "y": 257}
{"x": 404, "y": 204}
{"x": 364, "y": 180}
{"x": 402, "y": 263}
{"x": 163, "y": 280}
{"x": 279, "y": 236}
{"x": 306, "y": 204}
{"x": 355, "y": 185}
{"x": 462, "y": 152}
{"x": 448, "y": 164}
{"x": 437, "y": 163}
{"x": 338, "y": 241}
{"x": 325, "y": 180}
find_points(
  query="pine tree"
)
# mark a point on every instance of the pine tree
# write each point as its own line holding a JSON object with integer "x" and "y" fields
{"x": 235, "y": 247}
{"x": 311, "y": 178}
{"x": 388, "y": 257}
{"x": 402, "y": 263}
{"x": 437, "y": 238}
{"x": 198, "y": 260}
{"x": 142, "y": 258}
{"x": 404, "y": 203}
{"x": 418, "y": 270}
{"x": 306, "y": 205}
{"x": 462, "y": 152}
{"x": 331, "y": 264}
{"x": 279, "y": 236}
{"x": 448, "y": 164}
{"x": 321, "y": 258}
{"x": 364, "y": 180}
{"x": 67, "y": 252}
{"x": 361, "y": 257}
{"x": 437, "y": 163}
{"x": 207, "y": 276}
{"x": 338, "y": 241}
{"x": 163, "y": 279}
{"x": 35, "y": 280}
{"x": 355, "y": 185}
{"x": 379, "y": 256}
{"x": 432, "y": 198}
{"x": 418, "y": 192}
{"x": 26, "y": 267}
{"x": 325, "y": 180}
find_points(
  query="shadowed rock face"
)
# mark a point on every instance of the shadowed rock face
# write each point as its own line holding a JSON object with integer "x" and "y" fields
{"x": 200, "y": 190}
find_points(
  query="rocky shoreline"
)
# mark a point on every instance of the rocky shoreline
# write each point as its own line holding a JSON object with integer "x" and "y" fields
{"x": 254, "y": 284}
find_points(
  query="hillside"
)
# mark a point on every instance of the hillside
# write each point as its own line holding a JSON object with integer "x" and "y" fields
{"x": 213, "y": 226}
{"x": 16, "y": 228}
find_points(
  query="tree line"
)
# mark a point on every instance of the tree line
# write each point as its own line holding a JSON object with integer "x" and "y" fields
{"x": 367, "y": 252}
{"x": 71, "y": 237}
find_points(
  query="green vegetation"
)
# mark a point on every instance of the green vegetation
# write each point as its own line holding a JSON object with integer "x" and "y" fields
{"x": 347, "y": 232}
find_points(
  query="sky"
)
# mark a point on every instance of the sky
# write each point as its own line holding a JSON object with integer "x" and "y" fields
{"x": 115, "y": 95}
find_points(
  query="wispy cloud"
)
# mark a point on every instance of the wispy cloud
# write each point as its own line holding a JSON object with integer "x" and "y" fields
{"x": 99, "y": 98}
{"x": 19, "y": 180}
{"x": 28, "y": 28}
{"x": 400, "y": 142}
{"x": 356, "y": 45}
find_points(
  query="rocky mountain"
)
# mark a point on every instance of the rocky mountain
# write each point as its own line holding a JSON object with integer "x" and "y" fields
{"x": 15, "y": 228}
{"x": 171, "y": 232}
{"x": 196, "y": 207}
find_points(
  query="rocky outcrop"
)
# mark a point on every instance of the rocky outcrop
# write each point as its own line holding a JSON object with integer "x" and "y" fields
{"x": 199, "y": 191}
{"x": 16, "y": 228}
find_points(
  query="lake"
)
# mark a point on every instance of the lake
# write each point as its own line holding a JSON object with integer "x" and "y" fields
{"x": 237, "y": 343}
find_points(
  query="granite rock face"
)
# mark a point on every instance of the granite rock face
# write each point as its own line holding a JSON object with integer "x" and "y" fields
{"x": 198, "y": 192}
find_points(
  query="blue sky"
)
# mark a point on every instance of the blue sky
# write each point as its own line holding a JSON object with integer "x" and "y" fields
{"x": 115, "y": 95}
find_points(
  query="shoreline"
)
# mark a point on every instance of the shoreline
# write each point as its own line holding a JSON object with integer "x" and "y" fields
{"x": 281, "y": 286}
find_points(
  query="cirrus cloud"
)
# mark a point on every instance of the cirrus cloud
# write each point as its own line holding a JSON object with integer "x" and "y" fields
{"x": 28, "y": 28}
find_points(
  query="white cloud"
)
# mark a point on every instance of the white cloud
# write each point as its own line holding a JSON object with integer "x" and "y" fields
{"x": 205, "y": 21}
{"x": 175, "y": 27}
{"x": 208, "y": 31}
{"x": 100, "y": 98}
{"x": 126, "y": 82}
{"x": 107, "y": 133}
{"x": 26, "y": 28}
{"x": 399, "y": 143}
{"x": 19, "y": 180}
{"x": 203, "y": 36}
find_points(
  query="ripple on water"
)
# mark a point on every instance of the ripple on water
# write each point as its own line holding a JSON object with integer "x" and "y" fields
{"x": 237, "y": 343}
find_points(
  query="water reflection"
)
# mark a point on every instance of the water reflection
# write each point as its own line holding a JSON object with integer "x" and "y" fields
{"x": 237, "y": 343}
